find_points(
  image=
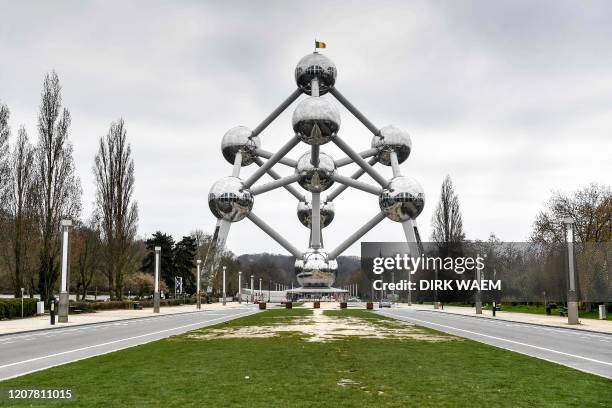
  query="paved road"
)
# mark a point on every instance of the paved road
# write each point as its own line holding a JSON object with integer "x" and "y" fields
{"x": 27, "y": 352}
{"x": 589, "y": 352}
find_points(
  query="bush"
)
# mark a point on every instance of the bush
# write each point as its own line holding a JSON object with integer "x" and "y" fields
{"x": 11, "y": 308}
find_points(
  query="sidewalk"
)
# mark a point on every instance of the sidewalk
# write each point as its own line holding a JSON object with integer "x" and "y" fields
{"x": 43, "y": 322}
{"x": 593, "y": 325}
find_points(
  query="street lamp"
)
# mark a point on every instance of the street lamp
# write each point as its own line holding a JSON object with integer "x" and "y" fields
{"x": 478, "y": 292}
{"x": 239, "y": 287}
{"x": 65, "y": 282}
{"x": 252, "y": 290}
{"x": 224, "y": 268}
{"x": 198, "y": 293}
{"x": 156, "y": 290}
{"x": 572, "y": 295}
{"x": 260, "y": 293}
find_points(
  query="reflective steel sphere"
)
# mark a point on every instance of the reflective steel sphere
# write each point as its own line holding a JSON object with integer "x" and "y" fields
{"x": 304, "y": 213}
{"x": 315, "y": 179}
{"x": 315, "y": 65}
{"x": 403, "y": 199}
{"x": 392, "y": 139}
{"x": 315, "y": 269}
{"x": 236, "y": 140}
{"x": 229, "y": 200}
{"x": 316, "y": 120}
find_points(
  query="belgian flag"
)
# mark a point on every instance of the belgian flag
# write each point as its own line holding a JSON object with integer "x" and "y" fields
{"x": 320, "y": 44}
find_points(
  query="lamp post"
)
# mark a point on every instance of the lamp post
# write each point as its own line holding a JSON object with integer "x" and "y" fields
{"x": 572, "y": 294}
{"x": 156, "y": 290}
{"x": 224, "y": 268}
{"x": 252, "y": 290}
{"x": 65, "y": 282}
{"x": 478, "y": 292}
{"x": 239, "y": 287}
{"x": 22, "y": 290}
{"x": 260, "y": 292}
{"x": 198, "y": 292}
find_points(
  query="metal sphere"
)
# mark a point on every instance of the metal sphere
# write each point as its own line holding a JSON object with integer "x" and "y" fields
{"x": 315, "y": 269}
{"x": 238, "y": 139}
{"x": 304, "y": 213}
{"x": 229, "y": 200}
{"x": 403, "y": 199}
{"x": 392, "y": 139}
{"x": 315, "y": 179}
{"x": 316, "y": 120}
{"x": 318, "y": 66}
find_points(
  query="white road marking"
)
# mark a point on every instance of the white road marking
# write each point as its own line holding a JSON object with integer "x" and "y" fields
{"x": 501, "y": 339}
{"x": 116, "y": 341}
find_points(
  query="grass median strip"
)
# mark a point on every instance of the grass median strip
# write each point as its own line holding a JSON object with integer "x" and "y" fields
{"x": 301, "y": 357}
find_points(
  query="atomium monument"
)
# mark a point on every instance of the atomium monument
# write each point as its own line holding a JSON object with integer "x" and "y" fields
{"x": 316, "y": 122}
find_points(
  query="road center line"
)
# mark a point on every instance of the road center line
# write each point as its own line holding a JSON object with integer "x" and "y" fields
{"x": 118, "y": 341}
{"x": 498, "y": 338}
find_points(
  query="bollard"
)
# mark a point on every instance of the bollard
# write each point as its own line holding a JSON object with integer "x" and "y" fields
{"x": 494, "y": 309}
{"x": 52, "y": 311}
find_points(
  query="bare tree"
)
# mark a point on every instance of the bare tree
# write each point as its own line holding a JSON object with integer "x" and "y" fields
{"x": 21, "y": 218}
{"x": 447, "y": 223}
{"x": 117, "y": 211}
{"x": 590, "y": 207}
{"x": 58, "y": 190}
{"x": 85, "y": 252}
{"x": 5, "y": 132}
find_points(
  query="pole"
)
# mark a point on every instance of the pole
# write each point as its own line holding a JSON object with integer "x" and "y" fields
{"x": 260, "y": 292}
{"x": 239, "y": 287}
{"x": 252, "y": 290}
{"x": 224, "y": 268}
{"x": 478, "y": 293}
{"x": 64, "y": 295}
{"x": 199, "y": 291}
{"x": 572, "y": 294}
{"x": 156, "y": 291}
{"x": 269, "y": 286}
{"x": 22, "y": 303}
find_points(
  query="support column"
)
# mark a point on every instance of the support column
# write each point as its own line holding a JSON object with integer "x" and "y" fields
{"x": 315, "y": 224}
{"x": 156, "y": 291}
{"x": 65, "y": 279}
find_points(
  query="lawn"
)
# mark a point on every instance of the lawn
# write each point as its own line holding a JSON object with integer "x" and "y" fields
{"x": 539, "y": 309}
{"x": 201, "y": 369}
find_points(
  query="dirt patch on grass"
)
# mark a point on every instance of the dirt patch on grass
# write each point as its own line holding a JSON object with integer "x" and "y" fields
{"x": 322, "y": 328}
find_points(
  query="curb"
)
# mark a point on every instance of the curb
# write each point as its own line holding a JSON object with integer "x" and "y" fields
{"x": 516, "y": 321}
{"x": 94, "y": 323}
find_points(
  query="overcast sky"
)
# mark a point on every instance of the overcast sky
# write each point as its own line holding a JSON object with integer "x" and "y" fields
{"x": 512, "y": 99}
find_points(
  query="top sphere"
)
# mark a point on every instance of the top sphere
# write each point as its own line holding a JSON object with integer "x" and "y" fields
{"x": 238, "y": 139}
{"x": 318, "y": 66}
{"x": 403, "y": 199}
{"x": 392, "y": 139}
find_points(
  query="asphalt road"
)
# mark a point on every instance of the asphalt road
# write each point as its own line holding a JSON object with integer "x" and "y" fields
{"x": 28, "y": 352}
{"x": 589, "y": 352}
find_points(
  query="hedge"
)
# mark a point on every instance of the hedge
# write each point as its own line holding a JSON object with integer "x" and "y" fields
{"x": 126, "y": 304}
{"x": 11, "y": 308}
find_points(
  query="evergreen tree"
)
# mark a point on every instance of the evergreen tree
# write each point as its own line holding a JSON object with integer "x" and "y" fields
{"x": 184, "y": 263}
{"x": 167, "y": 267}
